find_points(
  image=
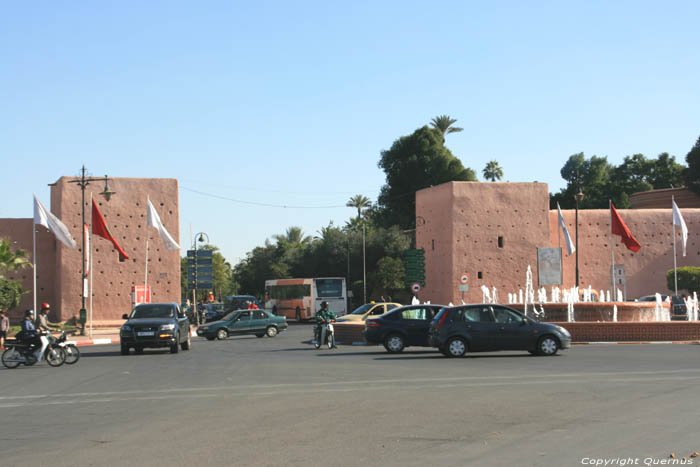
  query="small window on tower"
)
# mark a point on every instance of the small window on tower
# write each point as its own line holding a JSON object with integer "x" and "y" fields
{"x": 500, "y": 242}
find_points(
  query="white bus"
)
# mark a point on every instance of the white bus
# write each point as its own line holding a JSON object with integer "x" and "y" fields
{"x": 301, "y": 299}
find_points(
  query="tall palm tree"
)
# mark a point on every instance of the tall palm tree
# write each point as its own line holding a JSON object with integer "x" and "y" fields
{"x": 360, "y": 202}
{"x": 11, "y": 260}
{"x": 493, "y": 171}
{"x": 443, "y": 124}
{"x": 293, "y": 237}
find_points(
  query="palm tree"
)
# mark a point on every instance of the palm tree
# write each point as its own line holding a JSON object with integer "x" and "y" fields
{"x": 11, "y": 260}
{"x": 360, "y": 202}
{"x": 493, "y": 171}
{"x": 443, "y": 124}
{"x": 294, "y": 237}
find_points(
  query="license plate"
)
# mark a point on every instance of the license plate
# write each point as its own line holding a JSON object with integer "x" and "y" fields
{"x": 146, "y": 333}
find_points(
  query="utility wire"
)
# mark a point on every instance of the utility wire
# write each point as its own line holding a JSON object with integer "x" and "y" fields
{"x": 255, "y": 203}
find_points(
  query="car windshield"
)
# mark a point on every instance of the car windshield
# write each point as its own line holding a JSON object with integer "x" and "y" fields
{"x": 362, "y": 309}
{"x": 153, "y": 311}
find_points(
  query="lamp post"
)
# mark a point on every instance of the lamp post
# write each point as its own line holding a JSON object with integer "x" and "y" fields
{"x": 197, "y": 238}
{"x": 578, "y": 197}
{"x": 83, "y": 182}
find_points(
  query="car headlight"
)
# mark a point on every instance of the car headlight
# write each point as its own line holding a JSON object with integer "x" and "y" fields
{"x": 563, "y": 331}
{"x": 126, "y": 327}
{"x": 167, "y": 327}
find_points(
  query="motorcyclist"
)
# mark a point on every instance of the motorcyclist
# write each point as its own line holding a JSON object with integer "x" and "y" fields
{"x": 323, "y": 316}
{"x": 42, "y": 321}
{"x": 28, "y": 334}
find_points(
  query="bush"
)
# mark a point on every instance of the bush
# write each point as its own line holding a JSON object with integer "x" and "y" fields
{"x": 688, "y": 279}
{"x": 10, "y": 293}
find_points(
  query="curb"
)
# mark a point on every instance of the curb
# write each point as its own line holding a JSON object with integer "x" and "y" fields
{"x": 97, "y": 341}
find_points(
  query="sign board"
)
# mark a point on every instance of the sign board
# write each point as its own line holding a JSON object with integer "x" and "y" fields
{"x": 464, "y": 278}
{"x": 200, "y": 278}
{"x": 200, "y": 270}
{"x": 464, "y": 287}
{"x": 549, "y": 266}
{"x": 140, "y": 294}
{"x": 199, "y": 253}
{"x": 415, "y": 287}
{"x": 201, "y": 285}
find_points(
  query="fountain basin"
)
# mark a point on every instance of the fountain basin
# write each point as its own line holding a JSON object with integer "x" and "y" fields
{"x": 643, "y": 312}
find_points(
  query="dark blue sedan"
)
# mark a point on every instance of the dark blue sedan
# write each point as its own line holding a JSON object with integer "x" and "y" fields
{"x": 401, "y": 327}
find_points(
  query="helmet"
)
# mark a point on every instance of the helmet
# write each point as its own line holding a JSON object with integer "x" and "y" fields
{"x": 45, "y": 306}
{"x": 324, "y": 305}
{"x": 28, "y": 313}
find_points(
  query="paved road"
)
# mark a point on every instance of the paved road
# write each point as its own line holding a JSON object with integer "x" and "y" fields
{"x": 250, "y": 401}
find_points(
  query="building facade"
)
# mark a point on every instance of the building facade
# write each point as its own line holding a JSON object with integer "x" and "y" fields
{"x": 492, "y": 231}
{"x": 59, "y": 268}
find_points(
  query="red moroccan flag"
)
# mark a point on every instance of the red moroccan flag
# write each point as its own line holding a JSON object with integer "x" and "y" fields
{"x": 621, "y": 229}
{"x": 99, "y": 227}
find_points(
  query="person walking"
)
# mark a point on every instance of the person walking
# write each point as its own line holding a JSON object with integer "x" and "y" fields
{"x": 4, "y": 328}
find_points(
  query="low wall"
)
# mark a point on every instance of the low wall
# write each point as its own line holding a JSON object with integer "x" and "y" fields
{"x": 597, "y": 311}
{"x": 351, "y": 333}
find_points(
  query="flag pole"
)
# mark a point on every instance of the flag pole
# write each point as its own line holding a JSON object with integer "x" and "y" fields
{"x": 91, "y": 263}
{"x": 675, "y": 272}
{"x": 612, "y": 255}
{"x": 34, "y": 260}
{"x": 148, "y": 198}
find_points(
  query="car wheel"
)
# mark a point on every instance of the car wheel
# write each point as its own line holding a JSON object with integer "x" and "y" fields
{"x": 456, "y": 347}
{"x": 175, "y": 348}
{"x": 271, "y": 331}
{"x": 187, "y": 345}
{"x": 394, "y": 343}
{"x": 221, "y": 334}
{"x": 260, "y": 334}
{"x": 125, "y": 350}
{"x": 547, "y": 346}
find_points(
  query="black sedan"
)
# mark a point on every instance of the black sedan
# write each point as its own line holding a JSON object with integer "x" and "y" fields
{"x": 401, "y": 327}
{"x": 155, "y": 325}
{"x": 487, "y": 327}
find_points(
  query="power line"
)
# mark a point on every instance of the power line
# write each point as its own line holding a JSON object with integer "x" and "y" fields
{"x": 255, "y": 203}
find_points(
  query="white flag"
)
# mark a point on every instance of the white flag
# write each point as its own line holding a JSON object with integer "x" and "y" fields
{"x": 44, "y": 217}
{"x": 678, "y": 220}
{"x": 154, "y": 221}
{"x": 569, "y": 244}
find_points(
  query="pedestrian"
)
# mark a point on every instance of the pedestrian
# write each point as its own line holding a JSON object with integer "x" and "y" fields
{"x": 252, "y": 305}
{"x": 4, "y": 328}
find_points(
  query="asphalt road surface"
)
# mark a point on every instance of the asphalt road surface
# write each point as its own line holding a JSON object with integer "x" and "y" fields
{"x": 278, "y": 401}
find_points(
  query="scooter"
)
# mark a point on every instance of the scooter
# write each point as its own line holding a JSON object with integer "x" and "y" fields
{"x": 71, "y": 350}
{"x": 19, "y": 353}
{"x": 327, "y": 335}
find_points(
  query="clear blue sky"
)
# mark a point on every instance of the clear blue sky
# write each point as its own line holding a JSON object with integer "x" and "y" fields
{"x": 290, "y": 103}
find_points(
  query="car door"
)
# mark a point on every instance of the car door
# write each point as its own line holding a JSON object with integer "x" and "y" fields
{"x": 416, "y": 323}
{"x": 259, "y": 321}
{"x": 480, "y": 327}
{"x": 514, "y": 333}
{"x": 241, "y": 323}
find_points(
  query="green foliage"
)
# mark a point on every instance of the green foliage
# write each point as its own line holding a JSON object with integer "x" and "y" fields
{"x": 691, "y": 174}
{"x": 493, "y": 171}
{"x": 688, "y": 279}
{"x": 600, "y": 181}
{"x": 359, "y": 202}
{"x": 10, "y": 259}
{"x": 387, "y": 276}
{"x": 417, "y": 161}
{"x": 10, "y": 293}
{"x": 443, "y": 124}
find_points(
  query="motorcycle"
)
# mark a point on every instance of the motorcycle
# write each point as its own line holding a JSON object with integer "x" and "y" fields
{"x": 327, "y": 335}
{"x": 20, "y": 353}
{"x": 71, "y": 350}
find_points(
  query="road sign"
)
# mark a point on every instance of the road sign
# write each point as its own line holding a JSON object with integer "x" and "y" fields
{"x": 200, "y": 278}
{"x": 415, "y": 287}
{"x": 464, "y": 278}
{"x": 199, "y": 253}
{"x": 464, "y": 287}
{"x": 200, "y": 270}
{"x": 201, "y": 285}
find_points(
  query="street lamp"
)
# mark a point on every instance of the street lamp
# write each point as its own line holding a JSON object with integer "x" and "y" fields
{"x": 198, "y": 238}
{"x": 107, "y": 193}
{"x": 578, "y": 197}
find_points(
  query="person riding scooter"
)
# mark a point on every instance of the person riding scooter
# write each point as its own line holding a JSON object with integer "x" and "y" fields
{"x": 28, "y": 334}
{"x": 323, "y": 316}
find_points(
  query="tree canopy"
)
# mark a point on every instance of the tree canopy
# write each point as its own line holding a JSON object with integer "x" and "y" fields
{"x": 417, "y": 161}
{"x": 493, "y": 171}
{"x": 691, "y": 174}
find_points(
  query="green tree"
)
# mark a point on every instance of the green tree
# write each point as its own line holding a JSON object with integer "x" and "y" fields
{"x": 387, "y": 276}
{"x": 417, "y": 161}
{"x": 359, "y": 202}
{"x": 691, "y": 174}
{"x": 688, "y": 279}
{"x": 11, "y": 291}
{"x": 493, "y": 171}
{"x": 443, "y": 124}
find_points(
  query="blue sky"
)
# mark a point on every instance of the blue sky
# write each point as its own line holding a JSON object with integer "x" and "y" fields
{"x": 291, "y": 103}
